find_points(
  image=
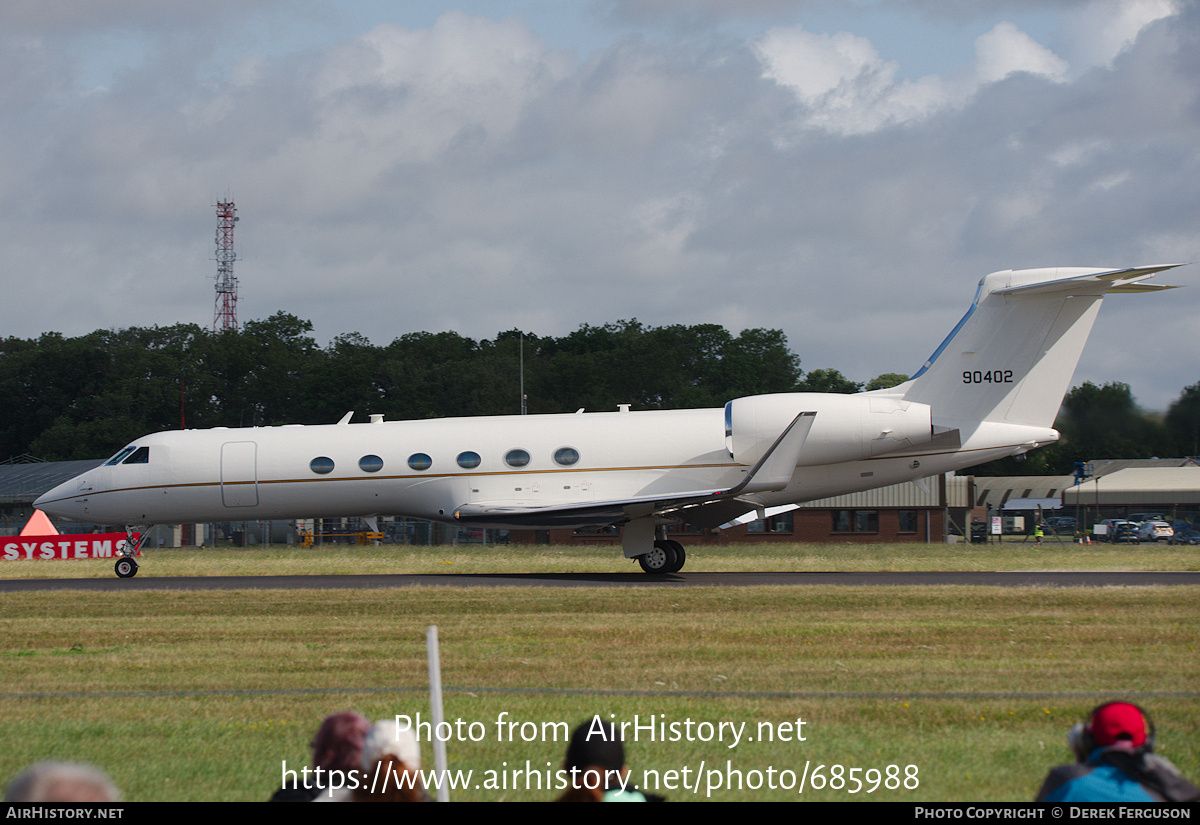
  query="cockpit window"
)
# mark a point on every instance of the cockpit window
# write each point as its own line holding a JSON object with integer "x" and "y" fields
{"x": 116, "y": 459}
{"x": 140, "y": 456}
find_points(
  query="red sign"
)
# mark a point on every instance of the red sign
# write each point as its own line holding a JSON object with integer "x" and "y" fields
{"x": 81, "y": 546}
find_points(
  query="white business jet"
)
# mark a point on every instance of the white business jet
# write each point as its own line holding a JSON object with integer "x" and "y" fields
{"x": 992, "y": 389}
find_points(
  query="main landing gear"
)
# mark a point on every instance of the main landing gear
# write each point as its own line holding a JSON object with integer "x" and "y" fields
{"x": 667, "y": 556}
{"x": 645, "y": 540}
{"x": 127, "y": 566}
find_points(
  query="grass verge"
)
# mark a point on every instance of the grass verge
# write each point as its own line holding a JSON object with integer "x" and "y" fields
{"x": 203, "y": 696}
{"x": 338, "y": 559}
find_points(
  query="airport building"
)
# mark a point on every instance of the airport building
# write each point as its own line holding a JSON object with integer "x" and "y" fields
{"x": 1119, "y": 489}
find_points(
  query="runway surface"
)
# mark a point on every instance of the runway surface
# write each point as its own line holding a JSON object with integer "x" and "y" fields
{"x": 870, "y": 579}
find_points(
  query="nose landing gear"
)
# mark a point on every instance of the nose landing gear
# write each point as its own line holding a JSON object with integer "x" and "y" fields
{"x": 127, "y": 566}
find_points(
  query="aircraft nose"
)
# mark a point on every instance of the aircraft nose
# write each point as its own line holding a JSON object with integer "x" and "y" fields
{"x": 59, "y": 501}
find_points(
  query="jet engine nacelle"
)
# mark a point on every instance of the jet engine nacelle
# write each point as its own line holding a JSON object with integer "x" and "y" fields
{"x": 847, "y": 427}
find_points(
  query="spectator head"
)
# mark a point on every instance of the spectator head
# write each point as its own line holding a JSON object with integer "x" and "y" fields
{"x": 388, "y": 738}
{"x": 1118, "y": 724}
{"x": 596, "y": 744}
{"x": 339, "y": 741}
{"x": 62, "y": 782}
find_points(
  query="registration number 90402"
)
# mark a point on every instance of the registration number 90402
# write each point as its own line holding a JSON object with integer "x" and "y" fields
{"x": 987, "y": 377}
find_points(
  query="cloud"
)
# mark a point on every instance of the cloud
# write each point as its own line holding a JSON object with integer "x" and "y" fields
{"x": 466, "y": 175}
{"x": 1005, "y": 50}
{"x": 1097, "y": 32}
{"x": 37, "y": 18}
{"x": 847, "y": 88}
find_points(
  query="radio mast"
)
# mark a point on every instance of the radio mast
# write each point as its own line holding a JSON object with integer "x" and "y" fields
{"x": 225, "y": 312}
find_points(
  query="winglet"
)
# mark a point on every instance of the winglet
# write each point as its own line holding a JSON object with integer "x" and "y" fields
{"x": 774, "y": 470}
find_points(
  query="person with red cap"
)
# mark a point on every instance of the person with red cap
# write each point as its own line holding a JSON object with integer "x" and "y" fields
{"x": 1115, "y": 762}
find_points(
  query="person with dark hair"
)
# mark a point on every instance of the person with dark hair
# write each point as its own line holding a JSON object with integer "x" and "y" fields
{"x": 336, "y": 747}
{"x": 596, "y": 766}
{"x": 1115, "y": 762}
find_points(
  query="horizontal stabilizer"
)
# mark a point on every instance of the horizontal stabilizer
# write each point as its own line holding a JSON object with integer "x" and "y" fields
{"x": 1143, "y": 287}
{"x": 1091, "y": 281}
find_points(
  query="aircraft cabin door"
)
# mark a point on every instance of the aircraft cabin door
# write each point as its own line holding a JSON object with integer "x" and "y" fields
{"x": 239, "y": 474}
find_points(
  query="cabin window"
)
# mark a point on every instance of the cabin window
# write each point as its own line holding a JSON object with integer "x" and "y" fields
{"x": 370, "y": 464}
{"x": 468, "y": 460}
{"x": 139, "y": 456}
{"x": 516, "y": 458}
{"x": 420, "y": 461}
{"x": 321, "y": 465}
{"x": 566, "y": 456}
{"x": 116, "y": 459}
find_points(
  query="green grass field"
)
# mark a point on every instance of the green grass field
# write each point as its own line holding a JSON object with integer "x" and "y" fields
{"x": 204, "y": 695}
{"x": 341, "y": 559}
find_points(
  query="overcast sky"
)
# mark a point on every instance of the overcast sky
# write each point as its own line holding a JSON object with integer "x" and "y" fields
{"x": 843, "y": 170}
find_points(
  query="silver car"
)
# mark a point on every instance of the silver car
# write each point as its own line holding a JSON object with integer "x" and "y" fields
{"x": 1155, "y": 531}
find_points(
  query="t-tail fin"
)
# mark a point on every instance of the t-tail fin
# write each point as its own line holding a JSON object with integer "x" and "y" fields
{"x": 1011, "y": 358}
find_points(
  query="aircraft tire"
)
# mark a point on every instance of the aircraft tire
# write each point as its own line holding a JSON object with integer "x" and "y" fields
{"x": 661, "y": 559}
{"x": 126, "y": 568}
{"x": 680, "y": 556}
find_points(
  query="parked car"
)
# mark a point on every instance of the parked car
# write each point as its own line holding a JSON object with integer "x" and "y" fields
{"x": 1107, "y": 530}
{"x": 1155, "y": 531}
{"x": 1125, "y": 533}
{"x": 1185, "y": 537}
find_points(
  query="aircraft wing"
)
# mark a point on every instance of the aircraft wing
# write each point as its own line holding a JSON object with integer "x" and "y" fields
{"x": 522, "y": 514}
{"x": 772, "y": 471}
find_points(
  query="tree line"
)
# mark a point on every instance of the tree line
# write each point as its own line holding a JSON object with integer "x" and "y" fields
{"x": 84, "y": 397}
{"x": 1105, "y": 421}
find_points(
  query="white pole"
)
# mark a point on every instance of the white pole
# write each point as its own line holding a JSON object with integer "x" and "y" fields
{"x": 435, "y": 702}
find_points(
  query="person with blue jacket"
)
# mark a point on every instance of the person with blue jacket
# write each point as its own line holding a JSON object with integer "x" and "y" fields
{"x": 1115, "y": 762}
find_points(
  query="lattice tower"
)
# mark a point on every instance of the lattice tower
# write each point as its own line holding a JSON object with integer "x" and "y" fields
{"x": 225, "y": 311}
